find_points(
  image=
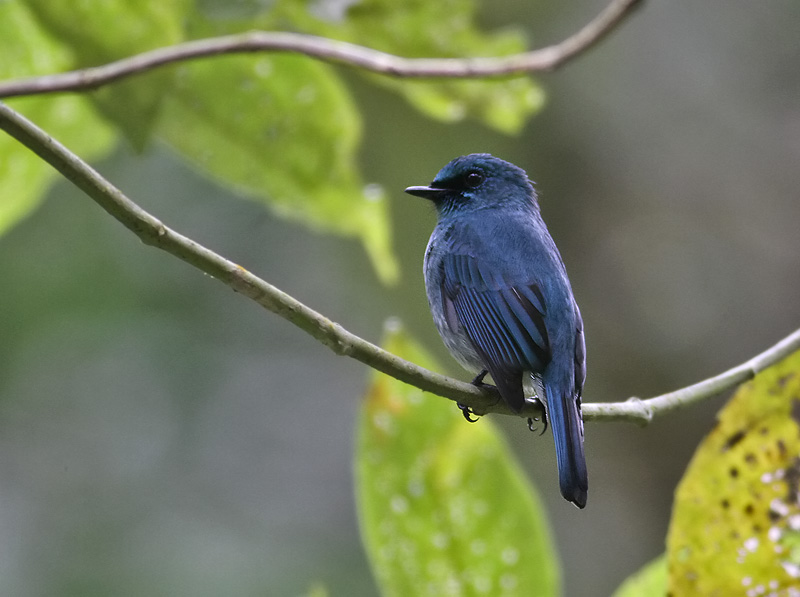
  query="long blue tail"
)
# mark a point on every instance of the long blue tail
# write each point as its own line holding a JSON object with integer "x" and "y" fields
{"x": 565, "y": 420}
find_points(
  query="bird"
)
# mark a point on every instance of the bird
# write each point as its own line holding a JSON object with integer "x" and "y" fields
{"x": 501, "y": 300}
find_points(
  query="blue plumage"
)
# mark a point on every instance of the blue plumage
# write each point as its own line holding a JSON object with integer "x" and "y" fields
{"x": 501, "y": 300}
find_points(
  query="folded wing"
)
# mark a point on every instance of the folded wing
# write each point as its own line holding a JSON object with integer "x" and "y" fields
{"x": 504, "y": 320}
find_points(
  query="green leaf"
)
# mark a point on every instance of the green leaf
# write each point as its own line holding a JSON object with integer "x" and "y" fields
{"x": 420, "y": 28}
{"x": 25, "y": 50}
{"x": 650, "y": 581}
{"x": 735, "y": 526}
{"x": 100, "y": 31}
{"x": 444, "y": 509}
{"x": 504, "y": 106}
{"x": 283, "y": 130}
{"x": 317, "y": 590}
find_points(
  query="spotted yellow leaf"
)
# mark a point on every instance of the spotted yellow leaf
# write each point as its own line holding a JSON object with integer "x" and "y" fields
{"x": 735, "y": 526}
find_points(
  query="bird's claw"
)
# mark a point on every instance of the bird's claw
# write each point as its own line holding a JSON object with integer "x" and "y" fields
{"x": 532, "y": 424}
{"x": 478, "y": 382}
{"x": 531, "y": 420}
{"x": 467, "y": 412}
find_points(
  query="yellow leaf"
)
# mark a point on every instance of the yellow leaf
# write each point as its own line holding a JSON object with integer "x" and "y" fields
{"x": 735, "y": 526}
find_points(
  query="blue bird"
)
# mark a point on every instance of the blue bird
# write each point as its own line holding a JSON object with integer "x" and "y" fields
{"x": 501, "y": 300}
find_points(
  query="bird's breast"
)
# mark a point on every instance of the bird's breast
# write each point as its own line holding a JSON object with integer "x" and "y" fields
{"x": 452, "y": 332}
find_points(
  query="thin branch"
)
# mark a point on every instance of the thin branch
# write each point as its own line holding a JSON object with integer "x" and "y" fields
{"x": 153, "y": 232}
{"x": 640, "y": 411}
{"x": 329, "y": 50}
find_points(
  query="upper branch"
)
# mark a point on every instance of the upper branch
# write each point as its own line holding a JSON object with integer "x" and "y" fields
{"x": 329, "y": 50}
{"x": 153, "y": 232}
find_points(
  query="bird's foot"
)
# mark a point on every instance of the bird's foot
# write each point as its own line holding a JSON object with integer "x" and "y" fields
{"x": 531, "y": 424}
{"x": 477, "y": 381}
{"x": 467, "y": 412}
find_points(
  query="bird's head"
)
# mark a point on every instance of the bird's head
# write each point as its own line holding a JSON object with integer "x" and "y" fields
{"x": 478, "y": 181}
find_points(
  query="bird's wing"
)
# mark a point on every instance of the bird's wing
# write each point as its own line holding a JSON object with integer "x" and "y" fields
{"x": 504, "y": 320}
{"x": 580, "y": 352}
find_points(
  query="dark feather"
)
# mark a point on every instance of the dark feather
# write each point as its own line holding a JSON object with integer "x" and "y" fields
{"x": 504, "y": 322}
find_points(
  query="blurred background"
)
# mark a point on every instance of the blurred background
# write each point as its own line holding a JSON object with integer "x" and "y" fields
{"x": 161, "y": 435}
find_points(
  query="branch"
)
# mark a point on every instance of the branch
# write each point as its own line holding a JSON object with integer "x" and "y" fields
{"x": 640, "y": 411}
{"x": 329, "y": 50}
{"x": 153, "y": 232}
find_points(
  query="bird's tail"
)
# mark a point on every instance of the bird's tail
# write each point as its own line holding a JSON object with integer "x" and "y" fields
{"x": 563, "y": 413}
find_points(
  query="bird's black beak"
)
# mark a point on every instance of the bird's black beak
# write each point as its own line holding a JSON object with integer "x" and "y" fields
{"x": 426, "y": 192}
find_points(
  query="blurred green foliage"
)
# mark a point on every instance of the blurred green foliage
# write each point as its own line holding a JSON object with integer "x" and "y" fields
{"x": 650, "y": 581}
{"x": 443, "y": 506}
{"x": 93, "y": 33}
{"x": 26, "y": 49}
{"x": 286, "y": 125}
{"x": 421, "y": 29}
{"x": 281, "y": 129}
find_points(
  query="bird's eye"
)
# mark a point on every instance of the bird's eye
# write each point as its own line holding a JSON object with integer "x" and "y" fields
{"x": 474, "y": 178}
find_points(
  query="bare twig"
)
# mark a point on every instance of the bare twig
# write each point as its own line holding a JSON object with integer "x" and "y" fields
{"x": 153, "y": 232}
{"x": 641, "y": 411}
{"x": 329, "y": 50}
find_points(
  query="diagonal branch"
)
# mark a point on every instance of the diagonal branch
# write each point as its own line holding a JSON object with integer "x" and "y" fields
{"x": 330, "y": 50}
{"x": 153, "y": 232}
